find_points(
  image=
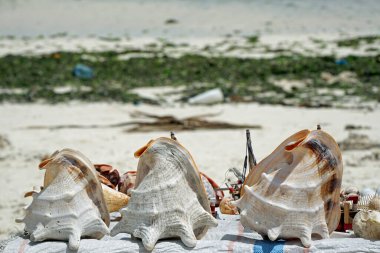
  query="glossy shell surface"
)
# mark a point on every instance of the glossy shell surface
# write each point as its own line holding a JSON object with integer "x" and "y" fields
{"x": 294, "y": 192}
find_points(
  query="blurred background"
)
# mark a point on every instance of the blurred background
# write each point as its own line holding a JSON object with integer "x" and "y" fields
{"x": 98, "y": 76}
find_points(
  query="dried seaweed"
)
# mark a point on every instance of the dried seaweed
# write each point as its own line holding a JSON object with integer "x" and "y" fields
{"x": 159, "y": 123}
{"x": 171, "y": 123}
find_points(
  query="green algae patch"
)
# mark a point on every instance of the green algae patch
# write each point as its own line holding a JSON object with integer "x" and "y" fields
{"x": 241, "y": 79}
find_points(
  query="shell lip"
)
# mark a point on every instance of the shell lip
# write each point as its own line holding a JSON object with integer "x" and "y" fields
{"x": 290, "y": 143}
{"x": 144, "y": 148}
{"x": 44, "y": 163}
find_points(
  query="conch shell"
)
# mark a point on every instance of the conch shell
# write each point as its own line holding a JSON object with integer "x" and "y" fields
{"x": 127, "y": 182}
{"x": 169, "y": 199}
{"x": 108, "y": 172}
{"x": 366, "y": 224}
{"x": 71, "y": 204}
{"x": 374, "y": 203}
{"x": 294, "y": 192}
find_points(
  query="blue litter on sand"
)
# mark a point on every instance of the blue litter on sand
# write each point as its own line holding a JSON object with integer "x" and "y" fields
{"x": 341, "y": 62}
{"x": 82, "y": 71}
{"x": 264, "y": 246}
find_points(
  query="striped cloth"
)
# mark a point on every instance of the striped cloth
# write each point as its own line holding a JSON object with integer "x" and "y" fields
{"x": 229, "y": 236}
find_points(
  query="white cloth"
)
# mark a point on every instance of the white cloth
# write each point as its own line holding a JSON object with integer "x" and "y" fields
{"x": 229, "y": 236}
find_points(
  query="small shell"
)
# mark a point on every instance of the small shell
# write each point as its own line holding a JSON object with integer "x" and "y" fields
{"x": 108, "y": 172}
{"x": 105, "y": 181}
{"x": 127, "y": 182}
{"x": 115, "y": 200}
{"x": 71, "y": 204}
{"x": 351, "y": 189}
{"x": 364, "y": 202}
{"x": 169, "y": 199}
{"x": 294, "y": 192}
{"x": 227, "y": 208}
{"x": 374, "y": 203}
{"x": 366, "y": 224}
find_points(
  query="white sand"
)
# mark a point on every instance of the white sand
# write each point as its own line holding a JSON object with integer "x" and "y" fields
{"x": 308, "y": 45}
{"x": 214, "y": 151}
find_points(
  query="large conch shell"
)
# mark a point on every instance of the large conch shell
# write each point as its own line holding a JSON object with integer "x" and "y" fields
{"x": 294, "y": 192}
{"x": 169, "y": 199}
{"x": 71, "y": 204}
{"x": 366, "y": 224}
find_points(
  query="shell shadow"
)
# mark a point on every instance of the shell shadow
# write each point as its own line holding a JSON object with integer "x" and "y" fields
{"x": 238, "y": 238}
{"x": 34, "y": 244}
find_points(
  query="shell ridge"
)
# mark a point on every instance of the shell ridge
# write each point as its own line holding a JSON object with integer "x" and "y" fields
{"x": 294, "y": 191}
{"x": 145, "y": 186}
{"x": 149, "y": 236}
{"x": 262, "y": 199}
{"x": 196, "y": 182}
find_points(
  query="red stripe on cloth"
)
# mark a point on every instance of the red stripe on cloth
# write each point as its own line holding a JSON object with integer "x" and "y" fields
{"x": 231, "y": 245}
{"x": 22, "y": 246}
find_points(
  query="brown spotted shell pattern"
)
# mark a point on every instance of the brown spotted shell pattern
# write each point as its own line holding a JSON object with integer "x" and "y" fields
{"x": 294, "y": 192}
{"x": 71, "y": 204}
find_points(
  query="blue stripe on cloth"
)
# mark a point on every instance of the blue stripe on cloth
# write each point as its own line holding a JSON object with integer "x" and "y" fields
{"x": 263, "y": 246}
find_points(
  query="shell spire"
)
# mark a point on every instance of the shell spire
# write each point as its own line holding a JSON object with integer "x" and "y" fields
{"x": 169, "y": 199}
{"x": 294, "y": 192}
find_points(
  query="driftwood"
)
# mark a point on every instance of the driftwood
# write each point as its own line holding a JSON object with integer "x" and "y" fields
{"x": 159, "y": 123}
